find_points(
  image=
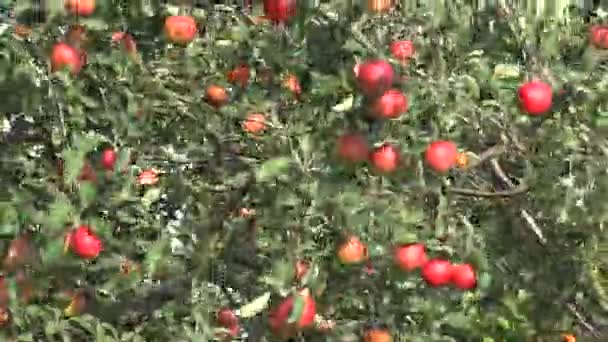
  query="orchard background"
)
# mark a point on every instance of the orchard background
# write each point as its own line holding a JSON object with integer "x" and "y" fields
{"x": 182, "y": 191}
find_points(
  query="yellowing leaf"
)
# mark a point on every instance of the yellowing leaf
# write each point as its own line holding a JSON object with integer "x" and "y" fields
{"x": 255, "y": 306}
{"x": 345, "y": 105}
{"x": 502, "y": 71}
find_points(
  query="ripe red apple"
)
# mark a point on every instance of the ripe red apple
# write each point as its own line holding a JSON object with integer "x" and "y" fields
{"x": 410, "y": 257}
{"x": 108, "y": 158}
{"x": 385, "y": 158}
{"x": 226, "y": 318}
{"x": 402, "y": 50}
{"x": 278, "y": 318}
{"x": 535, "y": 97}
{"x": 80, "y": 7}
{"x": 239, "y": 75}
{"x": 353, "y": 147}
{"x": 463, "y": 276}
{"x": 390, "y": 105}
{"x": 441, "y": 155}
{"x": 65, "y": 56}
{"x": 437, "y": 272}
{"x": 84, "y": 243}
{"x": 180, "y": 29}
{"x": 374, "y": 77}
{"x": 280, "y": 10}
{"x": 216, "y": 96}
{"x": 598, "y": 35}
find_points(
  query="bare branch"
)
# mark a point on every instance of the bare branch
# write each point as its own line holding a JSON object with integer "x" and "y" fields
{"x": 521, "y": 189}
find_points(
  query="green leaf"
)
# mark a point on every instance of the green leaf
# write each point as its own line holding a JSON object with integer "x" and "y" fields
{"x": 9, "y": 219}
{"x": 503, "y": 71}
{"x": 297, "y": 310}
{"x": 60, "y": 213}
{"x": 273, "y": 168}
{"x": 93, "y": 24}
{"x": 151, "y": 196}
{"x": 73, "y": 163}
{"x": 87, "y": 193}
{"x": 457, "y": 320}
{"x": 255, "y": 306}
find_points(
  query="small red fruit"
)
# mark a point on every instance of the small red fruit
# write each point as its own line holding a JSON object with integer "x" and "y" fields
{"x": 280, "y": 10}
{"x": 20, "y": 252}
{"x": 352, "y": 251}
{"x": 598, "y": 35}
{"x": 126, "y": 40}
{"x": 374, "y": 77}
{"x": 463, "y": 276}
{"x": 180, "y": 29}
{"x": 278, "y": 318}
{"x": 216, "y": 96}
{"x": 535, "y": 97}
{"x": 377, "y": 334}
{"x": 108, "y": 159}
{"x": 385, "y": 158}
{"x": 441, "y": 155}
{"x": 84, "y": 243}
{"x": 410, "y": 257}
{"x": 353, "y": 147}
{"x": 291, "y": 82}
{"x": 87, "y": 173}
{"x": 226, "y": 318}
{"x": 301, "y": 269}
{"x": 147, "y": 177}
{"x": 437, "y": 272}
{"x": 239, "y": 75}
{"x": 80, "y": 7}
{"x": 64, "y": 55}
{"x": 254, "y": 123}
{"x": 390, "y": 105}
{"x": 402, "y": 50}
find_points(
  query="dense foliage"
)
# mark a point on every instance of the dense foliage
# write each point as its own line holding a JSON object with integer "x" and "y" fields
{"x": 172, "y": 173}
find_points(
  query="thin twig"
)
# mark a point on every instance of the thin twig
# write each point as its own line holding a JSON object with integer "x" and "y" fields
{"x": 528, "y": 219}
{"x": 491, "y": 152}
{"x": 582, "y": 320}
{"x": 522, "y": 188}
{"x": 533, "y": 226}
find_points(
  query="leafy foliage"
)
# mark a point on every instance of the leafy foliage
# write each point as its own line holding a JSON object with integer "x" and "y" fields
{"x": 232, "y": 211}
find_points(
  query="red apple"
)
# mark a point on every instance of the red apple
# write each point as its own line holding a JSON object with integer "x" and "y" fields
{"x": 278, "y": 318}
{"x": 180, "y": 29}
{"x": 280, "y": 10}
{"x": 463, "y": 276}
{"x": 437, "y": 272}
{"x": 108, "y": 159}
{"x": 374, "y": 77}
{"x": 402, "y": 50}
{"x": 441, "y": 155}
{"x": 353, "y": 147}
{"x": 84, "y": 243}
{"x": 410, "y": 257}
{"x": 598, "y": 35}
{"x": 226, "y": 318}
{"x": 535, "y": 97}
{"x": 65, "y": 56}
{"x": 390, "y": 105}
{"x": 385, "y": 158}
